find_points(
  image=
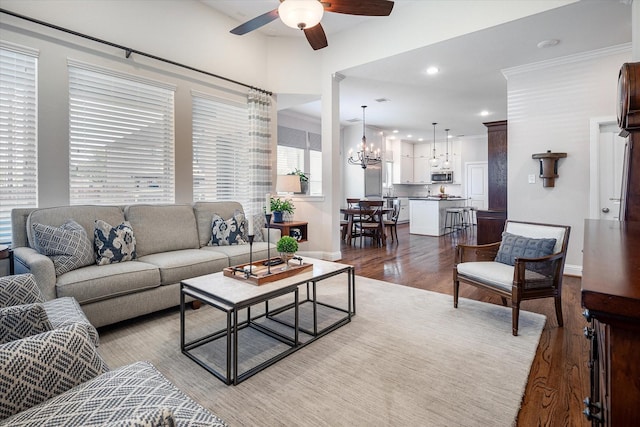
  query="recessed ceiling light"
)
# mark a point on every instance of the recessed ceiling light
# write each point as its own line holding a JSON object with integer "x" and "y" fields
{"x": 548, "y": 43}
{"x": 395, "y": 131}
{"x": 409, "y": 136}
{"x": 432, "y": 70}
{"x": 420, "y": 139}
{"x": 484, "y": 113}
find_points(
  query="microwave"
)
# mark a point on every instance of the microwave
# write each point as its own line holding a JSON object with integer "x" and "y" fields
{"x": 442, "y": 177}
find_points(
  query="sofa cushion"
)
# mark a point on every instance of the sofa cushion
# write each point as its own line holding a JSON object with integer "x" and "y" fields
{"x": 176, "y": 266}
{"x": 162, "y": 228}
{"x": 120, "y": 394}
{"x": 100, "y": 282}
{"x": 21, "y": 321}
{"x": 68, "y": 246}
{"x": 85, "y": 215}
{"x": 159, "y": 417}
{"x": 204, "y": 215}
{"x": 113, "y": 244}
{"x": 232, "y": 231}
{"x": 36, "y": 368}
{"x": 239, "y": 254}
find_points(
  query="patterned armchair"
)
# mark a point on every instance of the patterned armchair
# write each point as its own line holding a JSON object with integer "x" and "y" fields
{"x": 24, "y": 311}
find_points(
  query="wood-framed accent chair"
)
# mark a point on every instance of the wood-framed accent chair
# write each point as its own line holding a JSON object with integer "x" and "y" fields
{"x": 527, "y": 264}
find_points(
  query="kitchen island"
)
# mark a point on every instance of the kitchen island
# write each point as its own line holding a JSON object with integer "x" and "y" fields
{"x": 428, "y": 214}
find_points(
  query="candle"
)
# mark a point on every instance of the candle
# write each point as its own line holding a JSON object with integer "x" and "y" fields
{"x": 268, "y": 204}
{"x": 251, "y": 226}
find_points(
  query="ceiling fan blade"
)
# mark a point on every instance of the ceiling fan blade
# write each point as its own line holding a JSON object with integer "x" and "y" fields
{"x": 255, "y": 23}
{"x": 316, "y": 37}
{"x": 359, "y": 7}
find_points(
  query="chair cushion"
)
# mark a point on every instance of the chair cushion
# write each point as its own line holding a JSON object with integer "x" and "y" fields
{"x": 118, "y": 395}
{"x": 495, "y": 274}
{"x": 21, "y": 321}
{"x": 68, "y": 246}
{"x": 514, "y": 246}
{"x": 113, "y": 244}
{"x": 176, "y": 266}
{"x": 59, "y": 359}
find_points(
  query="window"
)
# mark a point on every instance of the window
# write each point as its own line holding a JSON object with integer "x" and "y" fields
{"x": 220, "y": 149}
{"x": 121, "y": 138}
{"x": 18, "y": 133}
{"x": 296, "y": 150}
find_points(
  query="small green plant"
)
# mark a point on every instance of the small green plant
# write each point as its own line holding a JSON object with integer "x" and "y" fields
{"x": 282, "y": 205}
{"x": 302, "y": 175}
{"x": 287, "y": 244}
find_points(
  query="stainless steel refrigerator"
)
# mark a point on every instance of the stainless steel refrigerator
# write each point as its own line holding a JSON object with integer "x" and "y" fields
{"x": 373, "y": 181}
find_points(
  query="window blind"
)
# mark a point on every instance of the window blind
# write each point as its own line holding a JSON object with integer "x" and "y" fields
{"x": 18, "y": 133}
{"x": 121, "y": 132}
{"x": 220, "y": 149}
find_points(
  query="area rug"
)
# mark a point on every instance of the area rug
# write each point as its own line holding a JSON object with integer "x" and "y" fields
{"x": 408, "y": 358}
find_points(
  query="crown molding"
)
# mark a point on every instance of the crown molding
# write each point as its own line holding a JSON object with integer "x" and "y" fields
{"x": 569, "y": 59}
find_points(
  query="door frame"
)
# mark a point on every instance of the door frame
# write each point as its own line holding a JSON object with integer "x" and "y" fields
{"x": 594, "y": 162}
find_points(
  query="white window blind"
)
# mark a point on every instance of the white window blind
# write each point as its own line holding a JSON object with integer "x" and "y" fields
{"x": 18, "y": 137}
{"x": 220, "y": 149}
{"x": 121, "y": 138}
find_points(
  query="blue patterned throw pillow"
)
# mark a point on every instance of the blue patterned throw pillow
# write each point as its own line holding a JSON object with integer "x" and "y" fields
{"x": 232, "y": 231}
{"x": 514, "y": 246}
{"x": 113, "y": 244}
{"x": 68, "y": 246}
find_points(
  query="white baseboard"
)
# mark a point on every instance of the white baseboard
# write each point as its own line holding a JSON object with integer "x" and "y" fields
{"x": 573, "y": 270}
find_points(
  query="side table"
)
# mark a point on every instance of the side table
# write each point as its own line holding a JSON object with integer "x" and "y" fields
{"x": 7, "y": 253}
{"x": 288, "y": 228}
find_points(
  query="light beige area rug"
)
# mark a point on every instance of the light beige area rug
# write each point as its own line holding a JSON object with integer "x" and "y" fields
{"x": 408, "y": 358}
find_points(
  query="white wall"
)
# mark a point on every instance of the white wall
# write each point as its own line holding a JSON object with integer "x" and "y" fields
{"x": 549, "y": 107}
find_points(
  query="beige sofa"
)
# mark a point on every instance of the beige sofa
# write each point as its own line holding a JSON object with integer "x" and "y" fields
{"x": 171, "y": 245}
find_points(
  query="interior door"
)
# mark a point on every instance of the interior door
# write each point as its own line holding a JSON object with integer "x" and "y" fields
{"x": 477, "y": 184}
{"x": 611, "y": 150}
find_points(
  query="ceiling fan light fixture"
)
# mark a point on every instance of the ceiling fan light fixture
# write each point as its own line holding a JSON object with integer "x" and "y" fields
{"x": 301, "y": 14}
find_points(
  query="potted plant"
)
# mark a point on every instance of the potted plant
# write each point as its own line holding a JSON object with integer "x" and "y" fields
{"x": 304, "y": 180}
{"x": 279, "y": 206}
{"x": 287, "y": 247}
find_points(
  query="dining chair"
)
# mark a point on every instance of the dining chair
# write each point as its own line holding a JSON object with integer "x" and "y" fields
{"x": 392, "y": 222}
{"x": 352, "y": 203}
{"x": 527, "y": 264}
{"x": 370, "y": 222}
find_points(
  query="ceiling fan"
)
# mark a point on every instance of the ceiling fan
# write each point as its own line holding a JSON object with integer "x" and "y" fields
{"x": 306, "y": 15}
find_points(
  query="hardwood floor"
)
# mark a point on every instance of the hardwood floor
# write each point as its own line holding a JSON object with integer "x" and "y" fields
{"x": 559, "y": 377}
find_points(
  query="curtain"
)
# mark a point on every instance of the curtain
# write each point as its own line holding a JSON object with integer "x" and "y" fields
{"x": 260, "y": 155}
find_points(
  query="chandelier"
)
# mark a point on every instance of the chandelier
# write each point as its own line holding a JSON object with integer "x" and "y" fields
{"x": 434, "y": 160}
{"x": 447, "y": 163}
{"x": 366, "y": 155}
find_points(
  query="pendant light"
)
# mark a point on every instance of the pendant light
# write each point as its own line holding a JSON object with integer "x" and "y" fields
{"x": 447, "y": 163}
{"x": 434, "y": 160}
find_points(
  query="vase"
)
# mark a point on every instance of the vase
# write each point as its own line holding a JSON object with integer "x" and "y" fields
{"x": 277, "y": 216}
{"x": 286, "y": 257}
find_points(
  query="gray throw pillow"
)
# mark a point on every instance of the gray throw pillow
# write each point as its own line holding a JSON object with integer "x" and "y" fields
{"x": 514, "y": 246}
{"x": 68, "y": 246}
{"x": 113, "y": 244}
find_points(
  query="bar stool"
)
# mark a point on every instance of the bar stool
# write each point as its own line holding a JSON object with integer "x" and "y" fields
{"x": 454, "y": 219}
{"x": 467, "y": 216}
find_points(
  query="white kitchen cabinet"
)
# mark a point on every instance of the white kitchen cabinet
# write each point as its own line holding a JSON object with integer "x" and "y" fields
{"x": 421, "y": 168}
{"x": 403, "y": 164}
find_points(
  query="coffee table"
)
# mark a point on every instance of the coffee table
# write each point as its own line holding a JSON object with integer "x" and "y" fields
{"x": 233, "y": 297}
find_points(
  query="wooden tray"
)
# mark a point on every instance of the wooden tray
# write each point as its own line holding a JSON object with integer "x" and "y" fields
{"x": 260, "y": 274}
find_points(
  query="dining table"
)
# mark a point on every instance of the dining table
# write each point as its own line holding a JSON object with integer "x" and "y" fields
{"x": 378, "y": 212}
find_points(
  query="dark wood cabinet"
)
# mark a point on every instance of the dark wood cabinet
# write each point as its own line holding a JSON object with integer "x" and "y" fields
{"x": 497, "y": 162}
{"x": 611, "y": 298}
{"x": 295, "y": 229}
{"x": 491, "y": 221}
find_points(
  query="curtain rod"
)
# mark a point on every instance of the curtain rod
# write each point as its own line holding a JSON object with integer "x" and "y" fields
{"x": 128, "y": 51}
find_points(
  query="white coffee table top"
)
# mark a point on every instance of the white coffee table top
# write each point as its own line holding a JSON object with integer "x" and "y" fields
{"x": 234, "y": 292}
